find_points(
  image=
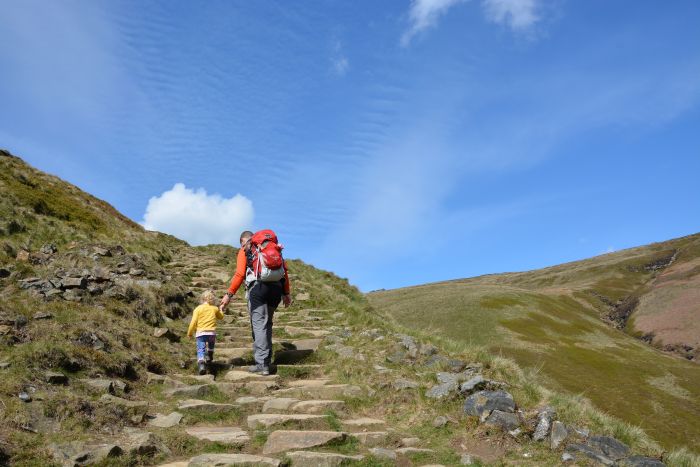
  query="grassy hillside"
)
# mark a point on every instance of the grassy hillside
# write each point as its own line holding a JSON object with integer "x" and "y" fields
{"x": 563, "y": 322}
{"x": 89, "y": 375}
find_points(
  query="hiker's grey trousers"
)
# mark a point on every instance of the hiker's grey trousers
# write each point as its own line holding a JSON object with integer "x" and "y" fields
{"x": 261, "y": 324}
{"x": 263, "y": 300}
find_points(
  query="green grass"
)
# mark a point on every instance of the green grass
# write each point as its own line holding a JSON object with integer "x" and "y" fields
{"x": 549, "y": 322}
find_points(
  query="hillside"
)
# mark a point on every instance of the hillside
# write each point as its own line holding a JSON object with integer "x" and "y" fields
{"x": 584, "y": 326}
{"x": 96, "y": 369}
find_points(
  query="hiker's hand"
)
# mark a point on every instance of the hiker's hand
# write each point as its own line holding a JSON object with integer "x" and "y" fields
{"x": 287, "y": 300}
{"x": 224, "y": 301}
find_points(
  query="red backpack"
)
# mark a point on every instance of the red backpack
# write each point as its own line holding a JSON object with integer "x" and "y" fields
{"x": 268, "y": 264}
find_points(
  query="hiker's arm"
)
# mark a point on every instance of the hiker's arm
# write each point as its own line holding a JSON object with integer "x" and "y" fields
{"x": 239, "y": 275}
{"x": 286, "y": 298}
{"x": 219, "y": 313}
{"x": 286, "y": 279}
{"x": 193, "y": 323}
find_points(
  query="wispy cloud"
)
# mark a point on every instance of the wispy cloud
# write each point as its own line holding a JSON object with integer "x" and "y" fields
{"x": 198, "y": 217}
{"x": 339, "y": 61}
{"x": 424, "y": 14}
{"x": 520, "y": 15}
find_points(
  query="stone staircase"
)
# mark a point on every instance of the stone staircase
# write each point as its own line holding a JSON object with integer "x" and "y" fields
{"x": 301, "y": 414}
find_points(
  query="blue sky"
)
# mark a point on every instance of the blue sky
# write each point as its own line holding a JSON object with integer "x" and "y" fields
{"x": 394, "y": 143}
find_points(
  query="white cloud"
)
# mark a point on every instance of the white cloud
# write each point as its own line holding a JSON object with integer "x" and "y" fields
{"x": 520, "y": 15}
{"x": 197, "y": 217}
{"x": 425, "y": 14}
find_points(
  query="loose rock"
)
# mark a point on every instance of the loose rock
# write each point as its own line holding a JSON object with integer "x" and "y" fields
{"x": 558, "y": 435}
{"x": 505, "y": 420}
{"x": 486, "y": 401}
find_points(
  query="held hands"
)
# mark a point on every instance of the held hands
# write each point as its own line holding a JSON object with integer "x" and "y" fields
{"x": 224, "y": 302}
{"x": 286, "y": 300}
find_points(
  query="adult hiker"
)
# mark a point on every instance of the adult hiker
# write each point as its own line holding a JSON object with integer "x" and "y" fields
{"x": 260, "y": 266}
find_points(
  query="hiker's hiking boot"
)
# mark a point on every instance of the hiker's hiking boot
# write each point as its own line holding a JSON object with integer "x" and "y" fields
{"x": 202, "y": 367}
{"x": 259, "y": 370}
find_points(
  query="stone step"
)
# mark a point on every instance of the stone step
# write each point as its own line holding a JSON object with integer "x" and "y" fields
{"x": 244, "y": 376}
{"x": 288, "y": 404}
{"x": 321, "y": 459}
{"x": 329, "y": 391}
{"x": 268, "y": 420}
{"x": 200, "y": 406}
{"x": 287, "y": 357}
{"x": 222, "y": 434}
{"x": 257, "y": 387}
{"x": 363, "y": 424}
{"x": 197, "y": 390}
{"x": 372, "y": 439}
{"x": 294, "y": 331}
{"x": 317, "y": 406}
{"x": 304, "y": 383}
{"x": 218, "y": 460}
{"x": 233, "y": 352}
{"x": 288, "y": 440}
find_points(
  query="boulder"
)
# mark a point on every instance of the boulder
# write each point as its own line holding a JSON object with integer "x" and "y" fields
{"x": 441, "y": 391}
{"x": 403, "y": 384}
{"x": 507, "y": 421}
{"x": 227, "y": 460}
{"x": 42, "y": 315}
{"x": 641, "y": 461}
{"x": 472, "y": 384}
{"x": 440, "y": 421}
{"x": 74, "y": 283}
{"x": 582, "y": 451}
{"x": 132, "y": 407}
{"x": 166, "y": 333}
{"x": 56, "y": 378}
{"x": 609, "y": 446}
{"x": 146, "y": 444}
{"x": 486, "y": 401}
{"x": 544, "y": 423}
{"x": 102, "y": 385}
{"x": 166, "y": 421}
{"x": 99, "y": 251}
{"x": 558, "y": 435}
{"x": 78, "y": 454}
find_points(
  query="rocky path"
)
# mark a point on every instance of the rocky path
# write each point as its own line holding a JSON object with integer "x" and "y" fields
{"x": 340, "y": 394}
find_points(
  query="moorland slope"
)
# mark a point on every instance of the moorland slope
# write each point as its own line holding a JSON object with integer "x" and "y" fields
{"x": 622, "y": 329}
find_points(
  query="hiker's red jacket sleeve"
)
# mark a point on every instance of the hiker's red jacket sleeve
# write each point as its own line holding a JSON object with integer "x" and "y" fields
{"x": 239, "y": 275}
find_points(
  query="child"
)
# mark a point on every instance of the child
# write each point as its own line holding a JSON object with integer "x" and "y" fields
{"x": 203, "y": 322}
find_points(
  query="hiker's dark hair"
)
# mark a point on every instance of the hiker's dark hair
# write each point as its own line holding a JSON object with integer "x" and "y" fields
{"x": 246, "y": 234}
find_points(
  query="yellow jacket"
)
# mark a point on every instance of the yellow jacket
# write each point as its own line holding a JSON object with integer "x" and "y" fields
{"x": 204, "y": 318}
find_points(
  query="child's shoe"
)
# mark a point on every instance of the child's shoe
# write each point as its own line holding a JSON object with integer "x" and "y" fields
{"x": 210, "y": 356}
{"x": 202, "y": 367}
